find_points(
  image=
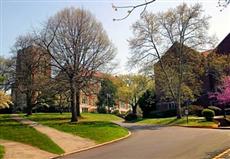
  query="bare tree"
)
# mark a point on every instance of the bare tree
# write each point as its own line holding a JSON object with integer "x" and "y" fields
{"x": 154, "y": 33}
{"x": 32, "y": 71}
{"x": 78, "y": 46}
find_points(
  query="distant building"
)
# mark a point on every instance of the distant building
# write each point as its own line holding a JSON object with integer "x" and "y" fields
{"x": 197, "y": 69}
{"x": 32, "y": 66}
{"x": 192, "y": 64}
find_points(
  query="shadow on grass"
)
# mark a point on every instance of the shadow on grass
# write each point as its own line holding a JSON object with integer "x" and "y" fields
{"x": 9, "y": 122}
{"x": 143, "y": 119}
{"x": 41, "y": 119}
{"x": 95, "y": 124}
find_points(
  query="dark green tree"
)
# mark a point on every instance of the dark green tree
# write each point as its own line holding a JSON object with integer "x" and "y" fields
{"x": 147, "y": 102}
{"x": 107, "y": 94}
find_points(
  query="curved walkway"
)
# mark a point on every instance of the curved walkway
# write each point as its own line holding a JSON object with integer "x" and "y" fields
{"x": 66, "y": 141}
{"x": 161, "y": 143}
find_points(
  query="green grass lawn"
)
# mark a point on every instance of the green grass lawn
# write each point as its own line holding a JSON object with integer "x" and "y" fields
{"x": 97, "y": 127}
{"x": 12, "y": 130}
{"x": 193, "y": 121}
{"x": 1, "y": 152}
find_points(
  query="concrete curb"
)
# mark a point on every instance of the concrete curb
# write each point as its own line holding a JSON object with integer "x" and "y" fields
{"x": 221, "y": 154}
{"x": 92, "y": 147}
{"x": 202, "y": 127}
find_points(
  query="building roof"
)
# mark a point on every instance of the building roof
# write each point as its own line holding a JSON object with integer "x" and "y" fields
{"x": 173, "y": 51}
{"x": 224, "y": 46}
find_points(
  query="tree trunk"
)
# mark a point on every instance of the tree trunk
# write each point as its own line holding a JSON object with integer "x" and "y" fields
{"x": 78, "y": 102}
{"x": 179, "y": 113}
{"x": 134, "y": 108}
{"x": 73, "y": 100}
{"x": 28, "y": 103}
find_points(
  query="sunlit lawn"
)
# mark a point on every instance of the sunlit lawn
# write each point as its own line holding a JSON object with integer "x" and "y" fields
{"x": 12, "y": 130}
{"x": 192, "y": 121}
{"x": 97, "y": 127}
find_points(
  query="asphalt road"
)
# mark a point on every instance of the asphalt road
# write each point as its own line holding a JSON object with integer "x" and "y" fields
{"x": 151, "y": 142}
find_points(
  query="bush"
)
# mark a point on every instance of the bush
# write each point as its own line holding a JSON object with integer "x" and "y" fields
{"x": 162, "y": 114}
{"x": 217, "y": 110}
{"x": 194, "y": 110}
{"x": 130, "y": 117}
{"x": 116, "y": 112}
{"x": 101, "y": 110}
{"x": 208, "y": 114}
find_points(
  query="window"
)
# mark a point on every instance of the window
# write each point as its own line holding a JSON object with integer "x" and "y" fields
{"x": 85, "y": 110}
{"x": 84, "y": 100}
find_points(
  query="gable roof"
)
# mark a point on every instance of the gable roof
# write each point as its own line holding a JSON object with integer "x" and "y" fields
{"x": 172, "y": 51}
{"x": 224, "y": 46}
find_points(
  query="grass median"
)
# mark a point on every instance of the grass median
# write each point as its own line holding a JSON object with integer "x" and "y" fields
{"x": 97, "y": 127}
{"x": 12, "y": 130}
{"x": 1, "y": 152}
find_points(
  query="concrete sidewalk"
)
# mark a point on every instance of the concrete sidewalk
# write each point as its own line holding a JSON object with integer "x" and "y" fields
{"x": 66, "y": 141}
{"x": 17, "y": 150}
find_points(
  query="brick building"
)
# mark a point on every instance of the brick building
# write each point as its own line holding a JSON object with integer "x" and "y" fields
{"x": 32, "y": 69}
{"x": 199, "y": 73}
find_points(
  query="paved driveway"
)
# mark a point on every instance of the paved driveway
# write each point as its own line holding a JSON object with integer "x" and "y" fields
{"x": 151, "y": 142}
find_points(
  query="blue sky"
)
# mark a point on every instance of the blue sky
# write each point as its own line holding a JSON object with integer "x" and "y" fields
{"x": 20, "y": 16}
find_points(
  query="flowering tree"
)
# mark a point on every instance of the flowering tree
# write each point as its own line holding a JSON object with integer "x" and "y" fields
{"x": 4, "y": 100}
{"x": 223, "y": 97}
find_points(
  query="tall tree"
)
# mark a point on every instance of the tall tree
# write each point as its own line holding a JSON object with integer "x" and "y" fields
{"x": 78, "y": 46}
{"x": 107, "y": 94}
{"x": 153, "y": 33}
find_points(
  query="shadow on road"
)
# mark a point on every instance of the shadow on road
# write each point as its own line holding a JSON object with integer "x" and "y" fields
{"x": 136, "y": 127}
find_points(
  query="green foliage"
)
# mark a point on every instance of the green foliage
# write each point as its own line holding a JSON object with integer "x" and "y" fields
{"x": 217, "y": 110}
{"x": 147, "y": 102}
{"x": 93, "y": 126}
{"x": 131, "y": 117}
{"x": 11, "y": 130}
{"x": 208, "y": 114}
{"x": 107, "y": 94}
{"x": 102, "y": 109}
{"x": 195, "y": 110}
{"x": 116, "y": 112}
{"x": 2, "y": 151}
{"x": 132, "y": 87}
{"x": 2, "y": 79}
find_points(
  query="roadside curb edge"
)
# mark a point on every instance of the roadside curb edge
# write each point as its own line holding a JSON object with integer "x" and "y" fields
{"x": 92, "y": 147}
{"x": 221, "y": 154}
